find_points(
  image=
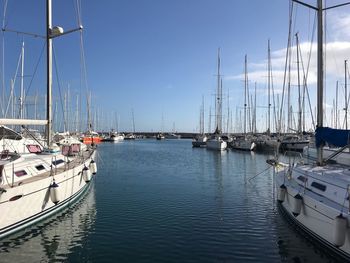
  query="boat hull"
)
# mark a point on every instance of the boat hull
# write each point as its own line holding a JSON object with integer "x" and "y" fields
{"x": 34, "y": 203}
{"x": 243, "y": 145}
{"x": 316, "y": 217}
{"x": 197, "y": 144}
{"x": 217, "y": 145}
{"x": 294, "y": 146}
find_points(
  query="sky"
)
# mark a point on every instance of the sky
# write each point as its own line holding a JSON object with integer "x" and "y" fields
{"x": 157, "y": 58}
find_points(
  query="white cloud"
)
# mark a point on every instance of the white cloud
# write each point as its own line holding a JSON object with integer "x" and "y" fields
{"x": 337, "y": 49}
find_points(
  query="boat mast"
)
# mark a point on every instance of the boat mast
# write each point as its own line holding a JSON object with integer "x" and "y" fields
{"x": 49, "y": 72}
{"x": 218, "y": 97}
{"x": 209, "y": 121}
{"x": 245, "y": 94}
{"x": 346, "y": 95}
{"x": 21, "y": 100}
{"x": 133, "y": 121}
{"x": 320, "y": 75}
{"x": 299, "y": 88}
{"x": 269, "y": 86}
{"x": 201, "y": 118}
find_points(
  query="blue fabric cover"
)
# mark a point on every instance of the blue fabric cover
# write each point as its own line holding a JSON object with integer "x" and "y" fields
{"x": 333, "y": 137}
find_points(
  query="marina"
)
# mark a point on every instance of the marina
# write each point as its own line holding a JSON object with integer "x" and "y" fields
{"x": 264, "y": 176}
{"x": 145, "y": 207}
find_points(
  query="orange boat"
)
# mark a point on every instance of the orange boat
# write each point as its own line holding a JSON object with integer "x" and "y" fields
{"x": 91, "y": 137}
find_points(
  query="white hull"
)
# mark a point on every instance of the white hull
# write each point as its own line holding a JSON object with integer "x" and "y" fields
{"x": 318, "y": 208}
{"x": 117, "y": 138}
{"x": 33, "y": 193}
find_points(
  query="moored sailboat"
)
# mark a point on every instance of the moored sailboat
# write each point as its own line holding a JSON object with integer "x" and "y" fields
{"x": 316, "y": 197}
{"x": 245, "y": 142}
{"x": 36, "y": 185}
{"x": 201, "y": 139}
{"x": 215, "y": 142}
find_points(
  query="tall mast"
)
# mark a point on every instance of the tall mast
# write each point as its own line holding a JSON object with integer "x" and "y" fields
{"x": 21, "y": 100}
{"x": 299, "y": 89}
{"x": 346, "y": 94}
{"x": 218, "y": 97}
{"x": 228, "y": 111}
{"x": 49, "y": 72}
{"x": 320, "y": 75}
{"x": 133, "y": 121}
{"x": 209, "y": 121}
{"x": 269, "y": 86}
{"x": 245, "y": 93}
{"x": 201, "y": 118}
{"x": 254, "y": 112}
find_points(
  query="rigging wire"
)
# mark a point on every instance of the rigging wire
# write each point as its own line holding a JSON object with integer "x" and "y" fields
{"x": 286, "y": 64}
{"x": 35, "y": 70}
{"x": 14, "y": 83}
{"x": 306, "y": 73}
{"x": 59, "y": 87}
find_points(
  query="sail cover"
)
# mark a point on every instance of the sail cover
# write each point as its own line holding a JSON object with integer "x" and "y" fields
{"x": 333, "y": 137}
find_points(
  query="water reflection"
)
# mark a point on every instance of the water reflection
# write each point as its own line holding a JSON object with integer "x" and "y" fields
{"x": 52, "y": 240}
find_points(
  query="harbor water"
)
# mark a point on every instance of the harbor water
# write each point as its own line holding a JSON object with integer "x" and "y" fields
{"x": 164, "y": 201}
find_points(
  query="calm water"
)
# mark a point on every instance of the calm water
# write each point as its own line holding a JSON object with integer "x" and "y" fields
{"x": 162, "y": 201}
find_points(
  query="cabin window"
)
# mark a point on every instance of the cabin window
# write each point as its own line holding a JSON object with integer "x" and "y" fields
{"x": 57, "y": 162}
{"x": 40, "y": 167}
{"x": 65, "y": 150}
{"x": 302, "y": 178}
{"x": 319, "y": 186}
{"x": 33, "y": 148}
{"x": 20, "y": 173}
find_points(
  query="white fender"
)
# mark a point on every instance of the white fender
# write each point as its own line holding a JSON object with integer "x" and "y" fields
{"x": 281, "y": 193}
{"x": 298, "y": 200}
{"x": 86, "y": 174}
{"x": 54, "y": 193}
{"x": 340, "y": 224}
{"x": 93, "y": 167}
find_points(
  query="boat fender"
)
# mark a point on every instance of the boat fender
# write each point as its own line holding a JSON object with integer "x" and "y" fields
{"x": 340, "y": 224}
{"x": 54, "y": 193}
{"x": 281, "y": 193}
{"x": 93, "y": 167}
{"x": 252, "y": 146}
{"x": 86, "y": 174}
{"x": 298, "y": 200}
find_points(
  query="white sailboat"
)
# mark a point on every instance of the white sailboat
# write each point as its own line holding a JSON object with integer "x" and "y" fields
{"x": 215, "y": 142}
{"x": 34, "y": 186}
{"x": 316, "y": 196}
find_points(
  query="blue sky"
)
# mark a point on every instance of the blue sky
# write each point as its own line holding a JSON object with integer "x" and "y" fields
{"x": 158, "y": 57}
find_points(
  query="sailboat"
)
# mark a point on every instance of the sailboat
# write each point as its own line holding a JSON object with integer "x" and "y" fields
{"x": 34, "y": 186}
{"x": 201, "y": 139}
{"x": 90, "y": 137}
{"x": 244, "y": 142}
{"x": 295, "y": 142}
{"x": 131, "y": 136}
{"x": 215, "y": 142}
{"x": 316, "y": 196}
{"x": 268, "y": 142}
